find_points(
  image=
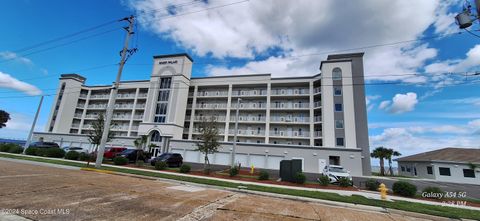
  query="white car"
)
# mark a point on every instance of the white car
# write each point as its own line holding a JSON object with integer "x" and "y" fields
{"x": 76, "y": 149}
{"x": 335, "y": 172}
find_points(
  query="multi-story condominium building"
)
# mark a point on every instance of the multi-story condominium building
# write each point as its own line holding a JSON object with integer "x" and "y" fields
{"x": 320, "y": 119}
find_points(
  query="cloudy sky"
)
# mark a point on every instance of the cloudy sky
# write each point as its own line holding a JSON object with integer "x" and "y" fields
{"x": 419, "y": 66}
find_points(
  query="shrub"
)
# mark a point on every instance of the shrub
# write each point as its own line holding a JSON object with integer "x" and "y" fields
{"x": 72, "y": 155}
{"x": 324, "y": 180}
{"x": 263, "y": 175}
{"x": 372, "y": 184}
{"x": 344, "y": 182}
{"x": 432, "y": 189}
{"x": 15, "y": 149}
{"x": 160, "y": 165}
{"x": 40, "y": 152}
{"x": 31, "y": 151}
{"x": 120, "y": 161}
{"x": 233, "y": 171}
{"x": 403, "y": 188}
{"x": 55, "y": 152}
{"x": 300, "y": 178}
{"x": 185, "y": 168}
{"x": 5, "y": 147}
{"x": 85, "y": 157}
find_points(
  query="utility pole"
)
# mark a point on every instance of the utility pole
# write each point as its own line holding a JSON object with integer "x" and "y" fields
{"x": 234, "y": 147}
{"x": 29, "y": 139}
{"x": 113, "y": 96}
{"x": 477, "y": 4}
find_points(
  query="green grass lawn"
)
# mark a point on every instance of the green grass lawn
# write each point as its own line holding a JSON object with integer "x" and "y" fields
{"x": 355, "y": 199}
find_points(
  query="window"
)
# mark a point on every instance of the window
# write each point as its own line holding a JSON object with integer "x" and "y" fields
{"x": 340, "y": 141}
{"x": 337, "y": 91}
{"x": 156, "y": 137}
{"x": 403, "y": 168}
{"x": 444, "y": 171}
{"x": 429, "y": 170}
{"x": 338, "y": 107}
{"x": 409, "y": 170}
{"x": 334, "y": 160}
{"x": 163, "y": 95}
{"x": 165, "y": 83}
{"x": 337, "y": 74}
{"x": 162, "y": 100}
{"x": 339, "y": 124}
{"x": 468, "y": 173}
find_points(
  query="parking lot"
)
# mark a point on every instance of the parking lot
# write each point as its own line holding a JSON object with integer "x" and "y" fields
{"x": 46, "y": 193}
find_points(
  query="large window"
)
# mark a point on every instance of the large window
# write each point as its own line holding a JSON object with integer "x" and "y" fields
{"x": 162, "y": 100}
{"x": 337, "y": 91}
{"x": 338, "y": 107}
{"x": 468, "y": 173}
{"x": 444, "y": 171}
{"x": 156, "y": 137}
{"x": 337, "y": 74}
{"x": 339, "y": 124}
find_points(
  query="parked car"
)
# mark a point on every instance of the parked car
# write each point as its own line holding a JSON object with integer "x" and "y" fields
{"x": 76, "y": 149}
{"x": 335, "y": 172}
{"x": 111, "y": 152}
{"x": 172, "y": 159}
{"x": 44, "y": 145}
{"x": 131, "y": 154}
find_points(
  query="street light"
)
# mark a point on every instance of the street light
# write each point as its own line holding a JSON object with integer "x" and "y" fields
{"x": 232, "y": 163}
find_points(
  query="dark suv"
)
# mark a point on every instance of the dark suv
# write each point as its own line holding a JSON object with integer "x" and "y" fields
{"x": 44, "y": 145}
{"x": 172, "y": 159}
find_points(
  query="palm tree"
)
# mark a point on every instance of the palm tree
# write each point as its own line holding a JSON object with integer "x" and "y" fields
{"x": 391, "y": 153}
{"x": 140, "y": 143}
{"x": 380, "y": 153}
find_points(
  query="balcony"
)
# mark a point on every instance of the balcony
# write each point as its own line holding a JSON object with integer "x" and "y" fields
{"x": 317, "y": 104}
{"x": 121, "y": 117}
{"x": 249, "y": 93}
{"x": 140, "y": 106}
{"x": 119, "y": 128}
{"x": 87, "y": 127}
{"x": 250, "y": 106}
{"x": 317, "y": 119}
{"x": 123, "y": 106}
{"x": 125, "y": 96}
{"x": 99, "y": 96}
{"x": 290, "y": 92}
{"x": 83, "y": 96}
{"x": 297, "y": 134}
{"x": 77, "y": 116}
{"x": 197, "y": 130}
{"x": 243, "y": 132}
{"x": 250, "y": 119}
{"x": 81, "y": 106}
{"x": 97, "y": 106}
{"x": 138, "y": 117}
{"x": 211, "y": 106}
{"x": 289, "y": 119}
{"x": 289, "y": 106}
{"x": 142, "y": 96}
{"x": 317, "y": 90}
{"x": 76, "y": 126}
{"x": 134, "y": 128}
{"x": 317, "y": 133}
{"x": 212, "y": 93}
{"x": 208, "y": 118}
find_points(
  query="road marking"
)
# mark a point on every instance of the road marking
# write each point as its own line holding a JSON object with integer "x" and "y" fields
{"x": 206, "y": 211}
{"x": 186, "y": 188}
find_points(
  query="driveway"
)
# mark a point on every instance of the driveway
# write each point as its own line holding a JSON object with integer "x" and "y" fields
{"x": 470, "y": 189}
{"x": 46, "y": 193}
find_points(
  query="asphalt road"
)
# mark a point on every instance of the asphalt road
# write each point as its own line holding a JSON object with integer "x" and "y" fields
{"x": 472, "y": 191}
{"x": 40, "y": 192}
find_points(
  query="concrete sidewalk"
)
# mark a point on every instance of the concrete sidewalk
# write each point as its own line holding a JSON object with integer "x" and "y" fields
{"x": 367, "y": 194}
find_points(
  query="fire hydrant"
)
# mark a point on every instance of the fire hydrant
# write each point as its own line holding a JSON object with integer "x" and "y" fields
{"x": 383, "y": 191}
{"x": 252, "y": 169}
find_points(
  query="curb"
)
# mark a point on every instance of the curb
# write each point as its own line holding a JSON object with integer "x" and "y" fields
{"x": 97, "y": 170}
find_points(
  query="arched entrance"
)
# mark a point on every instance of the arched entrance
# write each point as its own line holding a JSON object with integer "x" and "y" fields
{"x": 156, "y": 143}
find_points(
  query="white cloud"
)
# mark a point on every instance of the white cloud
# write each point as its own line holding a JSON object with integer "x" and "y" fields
{"x": 303, "y": 27}
{"x": 400, "y": 103}
{"x": 457, "y": 65}
{"x": 369, "y": 101}
{"x": 7, "y": 81}
{"x": 7, "y": 55}
{"x": 19, "y": 125}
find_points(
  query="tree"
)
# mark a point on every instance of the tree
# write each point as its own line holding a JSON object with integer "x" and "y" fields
{"x": 472, "y": 166}
{"x": 4, "y": 117}
{"x": 140, "y": 143}
{"x": 208, "y": 143}
{"x": 391, "y": 153}
{"x": 95, "y": 136}
{"x": 380, "y": 153}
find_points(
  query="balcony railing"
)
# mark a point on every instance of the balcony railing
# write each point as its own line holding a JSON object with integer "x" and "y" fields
{"x": 317, "y": 119}
{"x": 250, "y": 106}
{"x": 75, "y": 125}
{"x": 287, "y": 119}
{"x": 131, "y": 96}
{"x": 289, "y": 133}
{"x": 289, "y": 105}
{"x": 208, "y": 118}
{"x": 84, "y": 96}
{"x": 119, "y": 127}
{"x": 258, "y": 92}
{"x": 143, "y": 95}
{"x": 317, "y": 134}
{"x": 317, "y": 90}
{"x": 121, "y": 117}
{"x": 289, "y": 91}
{"x": 123, "y": 106}
{"x": 80, "y": 105}
{"x": 211, "y": 106}
{"x": 97, "y": 106}
{"x": 78, "y": 116}
{"x": 99, "y": 96}
{"x": 196, "y": 130}
{"x": 317, "y": 104}
{"x": 134, "y": 128}
{"x": 247, "y": 132}
{"x": 138, "y": 117}
{"x": 212, "y": 93}
{"x": 140, "y": 106}
{"x": 248, "y": 119}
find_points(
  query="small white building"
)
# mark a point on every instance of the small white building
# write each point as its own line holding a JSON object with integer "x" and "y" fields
{"x": 447, "y": 164}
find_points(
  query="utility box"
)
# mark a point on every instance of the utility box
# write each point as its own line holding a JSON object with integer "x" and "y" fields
{"x": 288, "y": 169}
